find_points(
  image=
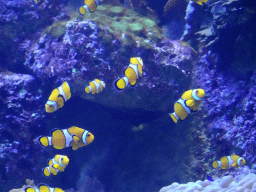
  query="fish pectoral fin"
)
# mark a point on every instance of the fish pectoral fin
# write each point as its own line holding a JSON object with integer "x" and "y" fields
{"x": 75, "y": 138}
{"x": 56, "y": 166}
{"x": 234, "y": 165}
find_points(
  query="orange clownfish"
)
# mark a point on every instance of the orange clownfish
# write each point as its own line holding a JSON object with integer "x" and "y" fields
{"x": 74, "y": 137}
{"x": 229, "y": 161}
{"x": 95, "y": 86}
{"x": 42, "y": 188}
{"x": 189, "y": 101}
{"x": 58, "y": 97}
{"x": 57, "y": 164}
{"x": 89, "y": 6}
{"x": 132, "y": 73}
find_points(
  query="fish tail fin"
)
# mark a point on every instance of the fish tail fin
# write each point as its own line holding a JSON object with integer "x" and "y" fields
{"x": 82, "y": 10}
{"x": 215, "y": 164}
{"x": 174, "y": 117}
{"x": 122, "y": 83}
{"x": 88, "y": 89}
{"x": 43, "y": 141}
{"x": 46, "y": 172}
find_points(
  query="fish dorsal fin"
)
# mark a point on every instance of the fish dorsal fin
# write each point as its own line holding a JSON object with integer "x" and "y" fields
{"x": 43, "y": 187}
{"x": 234, "y": 157}
{"x": 57, "y": 133}
{"x": 224, "y": 159}
{"x": 30, "y": 189}
{"x": 53, "y": 130}
{"x": 54, "y": 95}
{"x": 200, "y": 2}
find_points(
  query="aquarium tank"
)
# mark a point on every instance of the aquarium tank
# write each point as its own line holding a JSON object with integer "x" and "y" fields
{"x": 127, "y": 96}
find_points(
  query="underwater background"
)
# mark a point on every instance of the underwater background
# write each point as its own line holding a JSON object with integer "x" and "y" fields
{"x": 184, "y": 45}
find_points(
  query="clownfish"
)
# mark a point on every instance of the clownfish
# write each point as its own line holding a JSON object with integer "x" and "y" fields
{"x": 189, "y": 101}
{"x": 74, "y": 137}
{"x": 132, "y": 73}
{"x": 47, "y": 171}
{"x": 229, "y": 161}
{"x": 42, "y": 188}
{"x": 58, "y": 97}
{"x": 200, "y": 2}
{"x": 57, "y": 164}
{"x": 95, "y": 86}
{"x": 89, "y": 6}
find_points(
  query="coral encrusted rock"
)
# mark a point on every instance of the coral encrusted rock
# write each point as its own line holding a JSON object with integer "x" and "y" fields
{"x": 87, "y": 51}
{"x": 227, "y": 184}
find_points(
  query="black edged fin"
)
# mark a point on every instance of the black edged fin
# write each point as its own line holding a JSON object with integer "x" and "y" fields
{"x": 54, "y": 130}
{"x": 43, "y": 172}
{"x": 29, "y": 187}
{"x": 79, "y": 11}
{"x": 37, "y": 140}
{"x": 116, "y": 85}
{"x": 125, "y": 70}
{"x": 133, "y": 85}
{"x": 42, "y": 184}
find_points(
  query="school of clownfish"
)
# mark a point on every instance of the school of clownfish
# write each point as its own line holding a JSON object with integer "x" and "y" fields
{"x": 76, "y": 137}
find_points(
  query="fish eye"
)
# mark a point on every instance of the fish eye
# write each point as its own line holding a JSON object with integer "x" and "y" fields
{"x": 88, "y": 135}
{"x": 51, "y": 105}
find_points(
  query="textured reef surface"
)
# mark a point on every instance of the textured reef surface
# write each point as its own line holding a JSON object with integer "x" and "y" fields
{"x": 243, "y": 182}
{"x": 137, "y": 146}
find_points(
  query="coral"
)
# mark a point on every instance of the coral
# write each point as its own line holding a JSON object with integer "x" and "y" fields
{"x": 116, "y": 19}
{"x": 149, "y": 23}
{"x": 91, "y": 49}
{"x": 29, "y": 183}
{"x": 135, "y": 27}
{"x": 193, "y": 19}
{"x": 225, "y": 124}
{"x": 227, "y": 183}
{"x": 117, "y": 11}
{"x": 173, "y": 7}
{"x": 21, "y": 116}
{"x": 174, "y": 13}
{"x": 20, "y": 20}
